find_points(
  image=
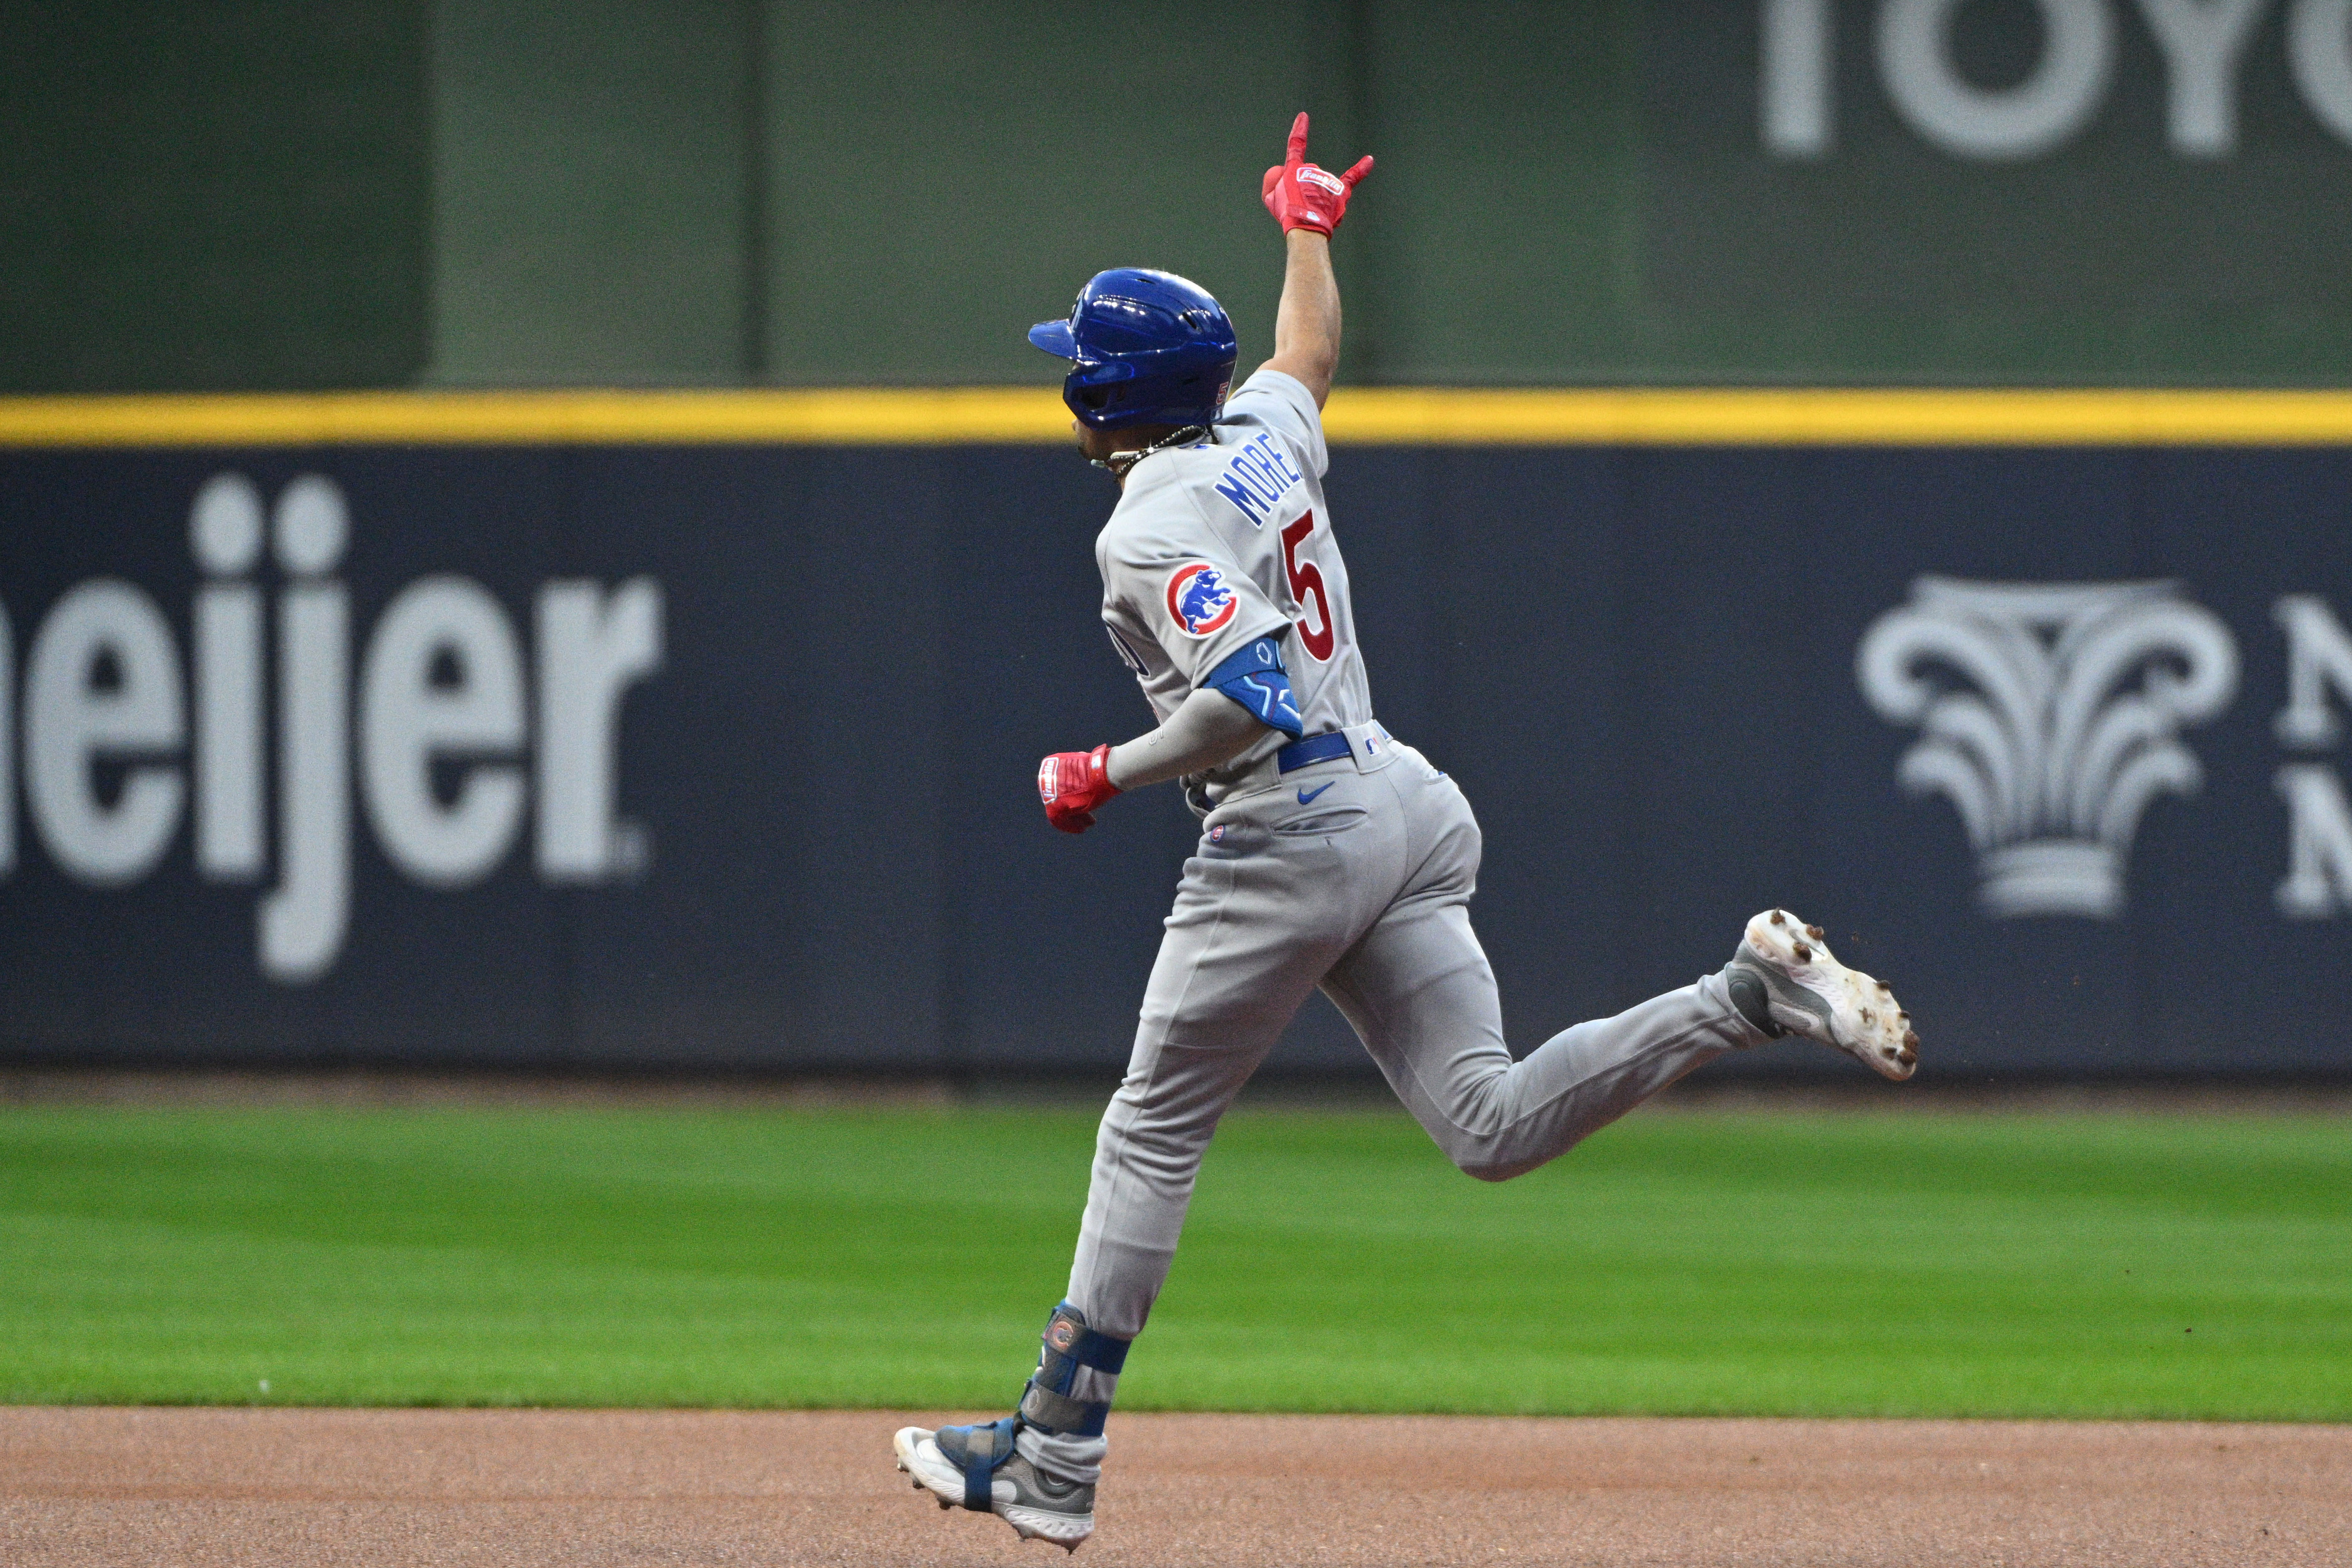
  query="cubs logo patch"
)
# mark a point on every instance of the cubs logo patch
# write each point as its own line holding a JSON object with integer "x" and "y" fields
{"x": 1200, "y": 600}
{"x": 1061, "y": 1334}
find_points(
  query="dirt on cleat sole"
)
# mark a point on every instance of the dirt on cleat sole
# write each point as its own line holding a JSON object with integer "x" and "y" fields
{"x": 1815, "y": 995}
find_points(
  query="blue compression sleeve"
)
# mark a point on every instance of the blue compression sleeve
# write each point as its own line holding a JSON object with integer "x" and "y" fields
{"x": 1254, "y": 679}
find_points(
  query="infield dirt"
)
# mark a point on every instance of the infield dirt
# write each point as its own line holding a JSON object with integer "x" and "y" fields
{"x": 295, "y": 1488}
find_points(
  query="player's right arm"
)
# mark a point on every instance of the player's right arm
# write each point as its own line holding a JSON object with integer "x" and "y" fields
{"x": 1209, "y": 728}
{"x": 1309, "y": 202}
{"x": 1238, "y": 700}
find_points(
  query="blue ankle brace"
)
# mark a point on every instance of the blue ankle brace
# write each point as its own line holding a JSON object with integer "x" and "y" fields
{"x": 1048, "y": 1404}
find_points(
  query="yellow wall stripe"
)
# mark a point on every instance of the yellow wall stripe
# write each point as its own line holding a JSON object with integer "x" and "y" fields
{"x": 1371, "y": 416}
{"x": 882, "y": 416}
{"x": 1823, "y": 417}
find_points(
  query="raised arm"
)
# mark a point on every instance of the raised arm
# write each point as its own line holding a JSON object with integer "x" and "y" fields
{"x": 1309, "y": 202}
{"x": 1307, "y": 322}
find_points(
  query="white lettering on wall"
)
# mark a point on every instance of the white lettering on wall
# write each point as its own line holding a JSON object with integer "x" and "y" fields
{"x": 443, "y": 715}
{"x": 409, "y": 719}
{"x": 2319, "y": 843}
{"x": 224, "y": 532}
{"x": 2318, "y": 660}
{"x": 303, "y": 919}
{"x": 2202, "y": 44}
{"x": 2318, "y": 882}
{"x": 103, "y": 686}
{"x": 1795, "y": 108}
{"x": 2319, "y": 53}
{"x": 592, "y": 648}
{"x": 2201, "y": 40}
{"x": 2056, "y": 99}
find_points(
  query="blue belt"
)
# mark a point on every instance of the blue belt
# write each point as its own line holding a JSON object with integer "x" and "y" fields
{"x": 1312, "y": 749}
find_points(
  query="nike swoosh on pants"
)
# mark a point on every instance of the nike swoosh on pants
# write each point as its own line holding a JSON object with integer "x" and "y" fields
{"x": 1307, "y": 797}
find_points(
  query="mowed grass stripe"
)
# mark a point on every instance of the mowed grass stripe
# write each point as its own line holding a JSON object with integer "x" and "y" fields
{"x": 1918, "y": 1263}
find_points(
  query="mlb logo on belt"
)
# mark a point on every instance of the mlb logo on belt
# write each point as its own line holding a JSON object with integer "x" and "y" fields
{"x": 1199, "y": 599}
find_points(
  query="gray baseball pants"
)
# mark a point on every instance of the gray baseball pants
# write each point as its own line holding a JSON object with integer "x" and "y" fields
{"x": 1363, "y": 890}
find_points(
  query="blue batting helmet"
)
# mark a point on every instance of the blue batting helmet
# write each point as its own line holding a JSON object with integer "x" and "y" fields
{"x": 1145, "y": 347}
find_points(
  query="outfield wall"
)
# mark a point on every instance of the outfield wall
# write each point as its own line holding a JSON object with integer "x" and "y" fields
{"x": 302, "y": 193}
{"x": 682, "y": 730}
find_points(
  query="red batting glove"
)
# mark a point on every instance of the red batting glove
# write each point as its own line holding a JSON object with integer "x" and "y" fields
{"x": 1072, "y": 783}
{"x": 1301, "y": 195}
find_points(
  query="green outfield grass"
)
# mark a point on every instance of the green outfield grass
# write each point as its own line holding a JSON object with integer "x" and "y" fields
{"x": 1913, "y": 1264}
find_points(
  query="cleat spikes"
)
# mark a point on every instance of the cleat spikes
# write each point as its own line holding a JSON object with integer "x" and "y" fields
{"x": 1810, "y": 992}
{"x": 1037, "y": 1507}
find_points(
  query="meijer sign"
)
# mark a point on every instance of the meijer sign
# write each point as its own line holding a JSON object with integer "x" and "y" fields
{"x": 364, "y": 752}
{"x": 444, "y": 685}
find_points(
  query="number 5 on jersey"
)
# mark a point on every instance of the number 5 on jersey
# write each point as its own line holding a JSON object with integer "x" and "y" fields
{"x": 1307, "y": 583}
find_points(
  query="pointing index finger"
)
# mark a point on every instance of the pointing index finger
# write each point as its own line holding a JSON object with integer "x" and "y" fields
{"x": 1297, "y": 139}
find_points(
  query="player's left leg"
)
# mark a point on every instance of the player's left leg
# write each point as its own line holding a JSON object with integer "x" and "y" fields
{"x": 1419, "y": 991}
{"x": 1420, "y": 994}
{"x": 1423, "y": 1000}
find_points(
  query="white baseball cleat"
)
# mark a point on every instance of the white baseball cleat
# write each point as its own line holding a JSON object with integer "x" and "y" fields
{"x": 1783, "y": 972}
{"x": 1037, "y": 1507}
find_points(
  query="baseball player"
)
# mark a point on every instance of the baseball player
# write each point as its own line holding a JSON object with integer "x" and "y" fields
{"x": 1331, "y": 854}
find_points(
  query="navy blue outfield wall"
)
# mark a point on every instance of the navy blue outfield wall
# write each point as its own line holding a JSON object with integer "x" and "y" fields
{"x": 716, "y": 757}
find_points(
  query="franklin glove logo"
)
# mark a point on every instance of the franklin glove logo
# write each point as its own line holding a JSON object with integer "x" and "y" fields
{"x": 2050, "y": 717}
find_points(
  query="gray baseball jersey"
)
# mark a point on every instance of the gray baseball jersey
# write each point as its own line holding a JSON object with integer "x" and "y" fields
{"x": 1353, "y": 873}
{"x": 1216, "y": 545}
